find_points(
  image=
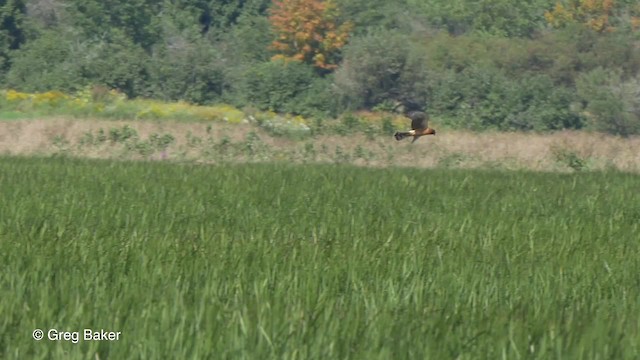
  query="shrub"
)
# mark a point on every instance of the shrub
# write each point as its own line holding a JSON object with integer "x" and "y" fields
{"x": 381, "y": 67}
{"x": 120, "y": 64}
{"x": 119, "y": 135}
{"x": 486, "y": 98}
{"x": 499, "y": 17}
{"x": 476, "y": 98}
{"x": 318, "y": 100}
{"x": 282, "y": 125}
{"x": 186, "y": 71}
{"x": 101, "y": 102}
{"x": 570, "y": 159}
{"x": 48, "y": 62}
{"x": 612, "y": 103}
{"x": 161, "y": 142}
{"x": 540, "y": 105}
{"x": 276, "y": 85}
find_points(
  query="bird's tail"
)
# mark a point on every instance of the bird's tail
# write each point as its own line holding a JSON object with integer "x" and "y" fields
{"x": 402, "y": 134}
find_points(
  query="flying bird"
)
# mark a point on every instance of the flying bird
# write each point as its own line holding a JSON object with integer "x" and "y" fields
{"x": 419, "y": 126}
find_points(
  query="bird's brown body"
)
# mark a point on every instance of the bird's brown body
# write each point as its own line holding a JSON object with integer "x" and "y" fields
{"x": 419, "y": 127}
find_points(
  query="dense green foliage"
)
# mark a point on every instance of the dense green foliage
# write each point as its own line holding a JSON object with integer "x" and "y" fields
{"x": 501, "y": 64}
{"x": 248, "y": 262}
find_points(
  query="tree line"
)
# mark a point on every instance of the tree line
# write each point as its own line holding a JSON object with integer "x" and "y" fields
{"x": 481, "y": 64}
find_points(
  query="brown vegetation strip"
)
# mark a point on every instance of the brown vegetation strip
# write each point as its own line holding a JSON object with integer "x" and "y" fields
{"x": 561, "y": 151}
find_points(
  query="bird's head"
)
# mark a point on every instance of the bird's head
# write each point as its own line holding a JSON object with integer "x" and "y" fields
{"x": 431, "y": 131}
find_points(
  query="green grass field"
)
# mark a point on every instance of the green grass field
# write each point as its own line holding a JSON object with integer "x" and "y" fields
{"x": 317, "y": 262}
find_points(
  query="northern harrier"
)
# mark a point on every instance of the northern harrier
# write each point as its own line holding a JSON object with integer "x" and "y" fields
{"x": 419, "y": 126}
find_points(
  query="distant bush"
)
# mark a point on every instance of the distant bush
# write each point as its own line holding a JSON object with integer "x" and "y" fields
{"x": 570, "y": 158}
{"x": 117, "y": 63}
{"x": 318, "y": 100}
{"x": 278, "y": 85}
{"x": 100, "y": 102}
{"x": 281, "y": 125}
{"x": 123, "y": 134}
{"x": 104, "y": 103}
{"x": 612, "y": 103}
{"x": 496, "y": 17}
{"x": 561, "y": 55}
{"x": 186, "y": 70}
{"x": 48, "y": 62}
{"x": 59, "y": 59}
{"x": 380, "y": 67}
{"x": 485, "y": 98}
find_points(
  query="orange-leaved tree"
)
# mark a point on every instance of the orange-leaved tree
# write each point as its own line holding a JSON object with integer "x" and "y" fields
{"x": 308, "y": 31}
{"x": 595, "y": 14}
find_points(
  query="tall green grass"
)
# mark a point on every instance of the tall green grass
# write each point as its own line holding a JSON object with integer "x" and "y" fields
{"x": 317, "y": 262}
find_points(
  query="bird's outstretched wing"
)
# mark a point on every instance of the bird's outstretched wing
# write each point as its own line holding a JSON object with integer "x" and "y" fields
{"x": 419, "y": 120}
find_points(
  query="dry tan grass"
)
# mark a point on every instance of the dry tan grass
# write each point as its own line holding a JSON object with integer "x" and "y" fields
{"x": 540, "y": 152}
